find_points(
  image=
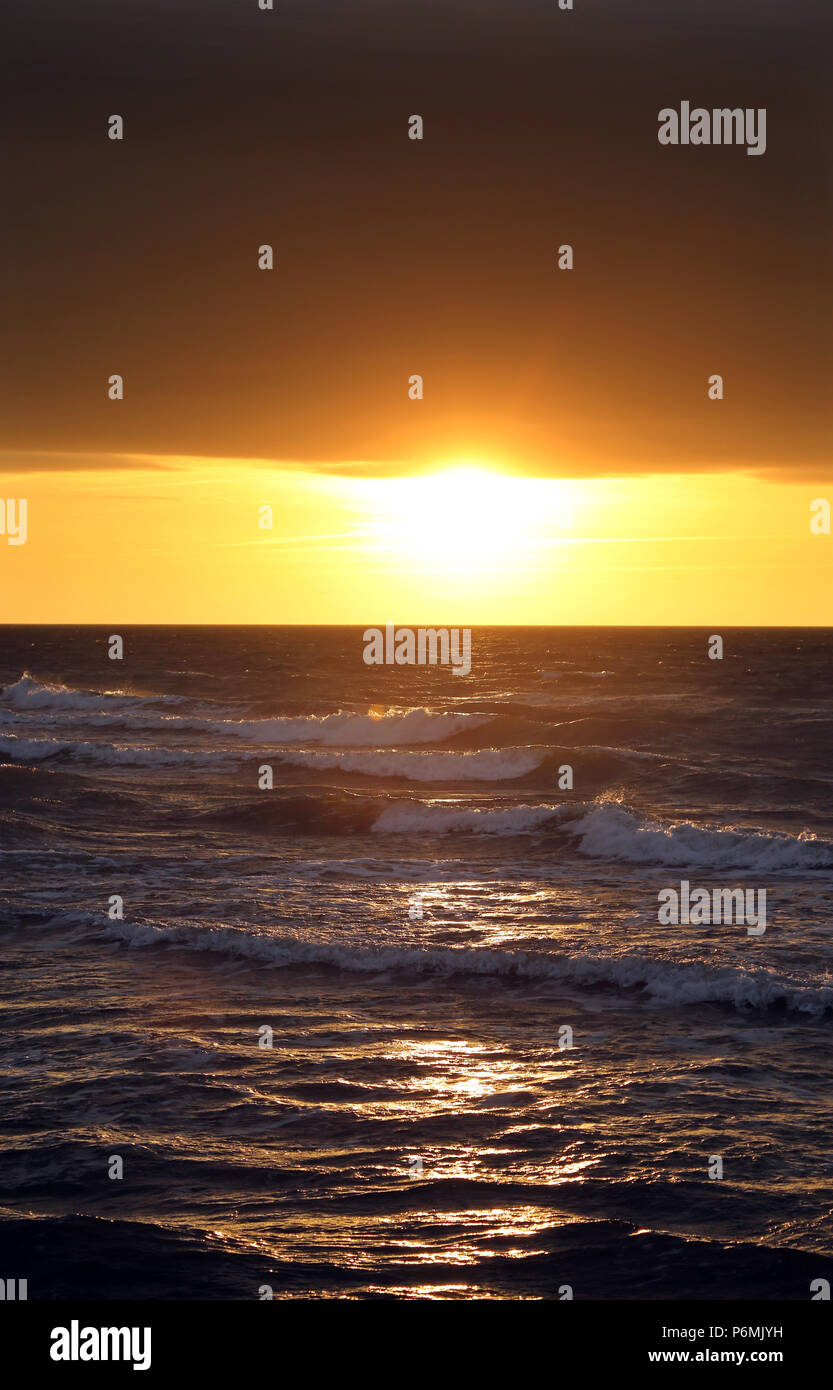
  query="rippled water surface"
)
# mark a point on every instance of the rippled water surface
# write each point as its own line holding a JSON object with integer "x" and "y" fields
{"x": 419, "y": 917}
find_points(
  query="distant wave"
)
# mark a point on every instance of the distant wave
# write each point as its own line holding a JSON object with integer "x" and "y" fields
{"x": 480, "y": 765}
{"x": 107, "y": 754}
{"x": 27, "y": 693}
{"x": 661, "y": 981}
{"x": 130, "y": 720}
{"x": 343, "y": 728}
{"x": 486, "y": 765}
{"x": 354, "y": 730}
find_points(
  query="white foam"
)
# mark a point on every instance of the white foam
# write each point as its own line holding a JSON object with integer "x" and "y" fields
{"x": 606, "y": 830}
{"x": 609, "y": 831}
{"x": 107, "y": 754}
{"x": 30, "y": 749}
{"x": 663, "y": 982}
{"x": 27, "y": 693}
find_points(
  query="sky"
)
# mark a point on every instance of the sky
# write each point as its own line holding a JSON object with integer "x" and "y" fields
{"x": 565, "y": 462}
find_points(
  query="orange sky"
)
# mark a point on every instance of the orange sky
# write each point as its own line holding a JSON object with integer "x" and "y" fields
{"x": 465, "y": 545}
{"x": 394, "y": 257}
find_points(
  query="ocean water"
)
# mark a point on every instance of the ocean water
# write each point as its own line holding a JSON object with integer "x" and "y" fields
{"x": 418, "y": 913}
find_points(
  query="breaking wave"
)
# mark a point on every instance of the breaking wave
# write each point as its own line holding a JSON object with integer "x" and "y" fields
{"x": 605, "y": 830}
{"x": 663, "y": 982}
{"x": 29, "y": 694}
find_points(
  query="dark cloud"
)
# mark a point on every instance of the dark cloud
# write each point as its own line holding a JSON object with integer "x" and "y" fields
{"x": 435, "y": 257}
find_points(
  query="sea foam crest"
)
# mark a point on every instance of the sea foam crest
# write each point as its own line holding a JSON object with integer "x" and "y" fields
{"x": 24, "y": 750}
{"x": 605, "y": 830}
{"x": 663, "y": 982}
{"x": 27, "y": 693}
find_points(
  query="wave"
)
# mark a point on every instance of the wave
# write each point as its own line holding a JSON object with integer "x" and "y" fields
{"x": 30, "y": 749}
{"x": 438, "y": 818}
{"x": 25, "y": 750}
{"x": 354, "y": 730}
{"x": 599, "y": 830}
{"x": 141, "y": 720}
{"x": 293, "y": 813}
{"x": 663, "y": 982}
{"x": 604, "y": 830}
{"x": 607, "y": 1254}
{"x": 342, "y": 728}
{"x": 609, "y": 831}
{"x": 101, "y": 1258}
{"x": 29, "y": 694}
{"x": 485, "y": 765}
{"x": 479, "y": 765}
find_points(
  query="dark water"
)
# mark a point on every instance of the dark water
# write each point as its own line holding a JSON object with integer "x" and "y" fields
{"x": 417, "y": 912}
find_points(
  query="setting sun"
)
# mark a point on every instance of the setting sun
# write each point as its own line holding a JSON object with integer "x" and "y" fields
{"x": 465, "y": 518}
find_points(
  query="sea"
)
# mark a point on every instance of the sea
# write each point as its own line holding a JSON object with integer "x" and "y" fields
{"x": 323, "y": 980}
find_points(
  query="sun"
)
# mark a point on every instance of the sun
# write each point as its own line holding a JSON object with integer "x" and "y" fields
{"x": 464, "y": 518}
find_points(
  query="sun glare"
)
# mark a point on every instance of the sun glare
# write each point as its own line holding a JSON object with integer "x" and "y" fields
{"x": 465, "y": 518}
